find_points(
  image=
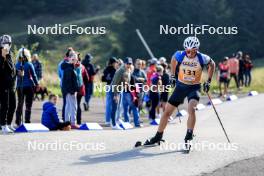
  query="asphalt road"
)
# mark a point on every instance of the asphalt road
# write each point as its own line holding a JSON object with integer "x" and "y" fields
{"x": 111, "y": 153}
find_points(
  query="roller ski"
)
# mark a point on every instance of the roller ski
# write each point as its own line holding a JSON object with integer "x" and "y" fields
{"x": 152, "y": 142}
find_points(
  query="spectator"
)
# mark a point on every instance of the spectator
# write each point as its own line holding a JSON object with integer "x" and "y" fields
{"x": 130, "y": 97}
{"x": 7, "y": 88}
{"x": 27, "y": 81}
{"x": 140, "y": 80}
{"x": 139, "y": 74}
{"x": 154, "y": 94}
{"x": 107, "y": 77}
{"x": 37, "y": 66}
{"x": 241, "y": 72}
{"x": 120, "y": 63}
{"x": 165, "y": 78}
{"x": 144, "y": 67}
{"x": 162, "y": 60}
{"x": 60, "y": 74}
{"x": 50, "y": 117}
{"x": 248, "y": 68}
{"x": 70, "y": 89}
{"x": 151, "y": 70}
{"x": 234, "y": 70}
{"x": 82, "y": 79}
{"x": 89, "y": 86}
{"x": 223, "y": 74}
{"x": 121, "y": 77}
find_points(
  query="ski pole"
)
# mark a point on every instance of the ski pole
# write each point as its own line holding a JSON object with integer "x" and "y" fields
{"x": 144, "y": 43}
{"x": 218, "y": 116}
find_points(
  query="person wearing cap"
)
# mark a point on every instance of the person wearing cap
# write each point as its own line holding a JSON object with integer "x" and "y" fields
{"x": 7, "y": 88}
{"x": 223, "y": 76}
{"x": 107, "y": 77}
{"x": 27, "y": 82}
{"x": 90, "y": 84}
{"x": 121, "y": 78}
{"x": 70, "y": 88}
{"x": 37, "y": 66}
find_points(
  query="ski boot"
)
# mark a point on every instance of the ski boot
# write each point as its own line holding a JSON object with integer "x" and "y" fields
{"x": 154, "y": 140}
{"x": 187, "y": 140}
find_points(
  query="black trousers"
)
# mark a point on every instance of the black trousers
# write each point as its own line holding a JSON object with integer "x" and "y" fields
{"x": 7, "y": 106}
{"x": 233, "y": 75}
{"x": 63, "y": 106}
{"x": 241, "y": 79}
{"x": 26, "y": 95}
{"x": 155, "y": 99}
{"x": 79, "y": 110}
{"x": 61, "y": 125}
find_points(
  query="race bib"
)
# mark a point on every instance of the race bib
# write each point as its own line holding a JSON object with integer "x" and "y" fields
{"x": 190, "y": 71}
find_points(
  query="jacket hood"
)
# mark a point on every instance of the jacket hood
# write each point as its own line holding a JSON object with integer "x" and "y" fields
{"x": 47, "y": 105}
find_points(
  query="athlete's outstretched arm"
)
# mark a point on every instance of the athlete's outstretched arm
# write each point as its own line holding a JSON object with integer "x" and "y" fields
{"x": 211, "y": 69}
{"x": 173, "y": 65}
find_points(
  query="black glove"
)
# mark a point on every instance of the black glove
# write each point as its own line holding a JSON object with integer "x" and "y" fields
{"x": 173, "y": 80}
{"x": 206, "y": 86}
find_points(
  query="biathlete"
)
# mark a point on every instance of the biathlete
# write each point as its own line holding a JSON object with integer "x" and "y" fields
{"x": 187, "y": 66}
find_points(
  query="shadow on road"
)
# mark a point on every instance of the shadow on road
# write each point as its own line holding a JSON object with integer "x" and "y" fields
{"x": 132, "y": 154}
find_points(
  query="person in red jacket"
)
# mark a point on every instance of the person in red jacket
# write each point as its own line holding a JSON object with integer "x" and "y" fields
{"x": 151, "y": 70}
{"x": 233, "y": 64}
{"x": 223, "y": 76}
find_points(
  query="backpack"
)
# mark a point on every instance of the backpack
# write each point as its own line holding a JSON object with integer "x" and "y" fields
{"x": 180, "y": 56}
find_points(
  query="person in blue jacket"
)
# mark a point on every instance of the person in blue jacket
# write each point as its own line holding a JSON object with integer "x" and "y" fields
{"x": 60, "y": 74}
{"x": 27, "y": 82}
{"x": 50, "y": 117}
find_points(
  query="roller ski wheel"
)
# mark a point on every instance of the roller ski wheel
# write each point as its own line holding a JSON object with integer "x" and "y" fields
{"x": 148, "y": 143}
{"x": 188, "y": 146}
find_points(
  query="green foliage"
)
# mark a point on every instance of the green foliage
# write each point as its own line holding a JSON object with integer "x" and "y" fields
{"x": 148, "y": 15}
{"x": 29, "y": 8}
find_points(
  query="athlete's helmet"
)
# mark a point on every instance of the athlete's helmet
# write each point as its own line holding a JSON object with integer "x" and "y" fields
{"x": 191, "y": 42}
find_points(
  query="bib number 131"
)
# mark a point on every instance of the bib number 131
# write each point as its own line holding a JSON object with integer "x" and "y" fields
{"x": 189, "y": 72}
